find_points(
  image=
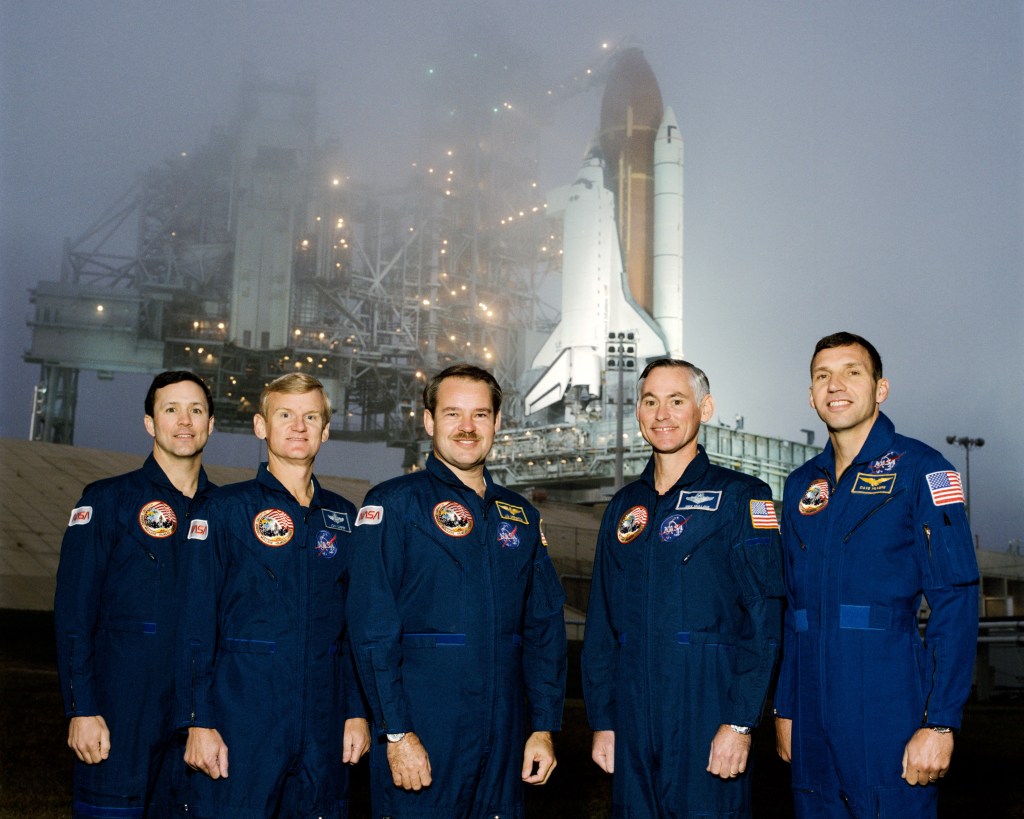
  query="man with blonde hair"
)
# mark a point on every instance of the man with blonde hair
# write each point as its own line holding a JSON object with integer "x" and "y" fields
{"x": 264, "y": 672}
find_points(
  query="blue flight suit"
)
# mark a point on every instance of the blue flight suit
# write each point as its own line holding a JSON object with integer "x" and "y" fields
{"x": 682, "y": 634}
{"x": 856, "y": 679}
{"x": 115, "y": 612}
{"x": 455, "y": 614}
{"x": 263, "y": 656}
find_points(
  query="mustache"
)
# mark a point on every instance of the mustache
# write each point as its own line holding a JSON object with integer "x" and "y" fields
{"x": 466, "y": 436}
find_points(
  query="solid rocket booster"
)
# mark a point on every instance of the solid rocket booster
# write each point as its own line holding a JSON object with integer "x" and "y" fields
{"x": 631, "y": 113}
{"x": 594, "y": 297}
{"x": 668, "y": 233}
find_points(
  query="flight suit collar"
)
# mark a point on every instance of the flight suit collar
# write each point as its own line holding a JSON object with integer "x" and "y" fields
{"x": 694, "y": 472}
{"x": 437, "y": 468}
{"x": 154, "y": 473}
{"x": 266, "y": 477}
{"x": 879, "y": 441}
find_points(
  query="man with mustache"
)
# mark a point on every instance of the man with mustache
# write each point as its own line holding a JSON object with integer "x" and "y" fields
{"x": 455, "y": 616}
{"x": 865, "y": 709}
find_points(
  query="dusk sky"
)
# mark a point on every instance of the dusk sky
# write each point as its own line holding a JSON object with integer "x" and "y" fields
{"x": 853, "y": 166}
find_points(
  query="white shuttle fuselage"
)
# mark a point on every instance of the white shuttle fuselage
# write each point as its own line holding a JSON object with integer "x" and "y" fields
{"x": 596, "y": 301}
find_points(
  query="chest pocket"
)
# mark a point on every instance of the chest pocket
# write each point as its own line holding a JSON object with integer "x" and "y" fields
{"x": 434, "y": 543}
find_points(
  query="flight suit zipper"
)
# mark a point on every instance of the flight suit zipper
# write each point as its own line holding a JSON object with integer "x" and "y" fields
{"x": 860, "y": 522}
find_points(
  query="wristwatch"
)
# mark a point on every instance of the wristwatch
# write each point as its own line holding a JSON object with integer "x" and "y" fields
{"x": 396, "y": 737}
{"x": 741, "y": 729}
{"x": 941, "y": 729}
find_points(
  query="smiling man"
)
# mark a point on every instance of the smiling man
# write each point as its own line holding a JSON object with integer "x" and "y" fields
{"x": 455, "y": 614}
{"x": 685, "y": 616}
{"x": 865, "y": 709}
{"x": 264, "y": 671}
{"x": 115, "y": 609}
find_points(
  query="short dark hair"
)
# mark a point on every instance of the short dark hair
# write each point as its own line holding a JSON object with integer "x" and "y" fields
{"x": 844, "y": 339}
{"x": 701, "y": 385}
{"x": 165, "y": 379}
{"x": 468, "y": 371}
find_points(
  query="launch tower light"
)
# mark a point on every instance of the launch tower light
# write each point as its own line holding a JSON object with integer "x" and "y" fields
{"x": 621, "y": 358}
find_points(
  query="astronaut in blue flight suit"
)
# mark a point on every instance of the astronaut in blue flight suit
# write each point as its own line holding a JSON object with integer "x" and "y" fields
{"x": 115, "y": 610}
{"x": 866, "y": 709}
{"x": 455, "y": 616}
{"x": 685, "y": 616}
{"x": 264, "y": 668}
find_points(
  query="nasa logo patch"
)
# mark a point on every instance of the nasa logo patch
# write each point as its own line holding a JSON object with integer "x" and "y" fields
{"x": 326, "y": 544}
{"x": 80, "y": 516}
{"x": 453, "y": 518}
{"x": 273, "y": 527}
{"x": 631, "y": 524}
{"x": 815, "y": 498}
{"x": 508, "y": 535}
{"x": 157, "y": 519}
{"x": 672, "y": 527}
{"x": 887, "y": 463}
{"x": 198, "y": 530}
{"x": 370, "y": 516}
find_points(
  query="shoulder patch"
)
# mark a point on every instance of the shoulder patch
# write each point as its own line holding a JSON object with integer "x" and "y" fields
{"x": 370, "y": 516}
{"x": 874, "y": 484}
{"x": 80, "y": 516}
{"x": 762, "y": 515}
{"x": 273, "y": 527}
{"x": 543, "y": 537}
{"x": 945, "y": 487}
{"x": 336, "y": 520}
{"x": 198, "y": 530}
{"x": 157, "y": 519}
{"x": 506, "y": 511}
{"x": 453, "y": 518}
{"x": 631, "y": 524}
{"x": 706, "y": 500}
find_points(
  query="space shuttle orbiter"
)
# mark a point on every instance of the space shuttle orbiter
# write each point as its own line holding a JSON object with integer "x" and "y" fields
{"x": 594, "y": 296}
{"x": 637, "y": 224}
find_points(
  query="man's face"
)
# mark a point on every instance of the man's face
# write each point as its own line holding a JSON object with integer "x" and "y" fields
{"x": 295, "y": 425}
{"x": 181, "y": 423}
{"x": 844, "y": 391}
{"x": 668, "y": 413}
{"x": 463, "y": 423}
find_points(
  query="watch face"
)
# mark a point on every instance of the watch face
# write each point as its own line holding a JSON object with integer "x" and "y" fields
{"x": 396, "y": 737}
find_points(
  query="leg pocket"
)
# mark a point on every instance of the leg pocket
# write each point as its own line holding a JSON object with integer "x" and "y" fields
{"x": 905, "y": 802}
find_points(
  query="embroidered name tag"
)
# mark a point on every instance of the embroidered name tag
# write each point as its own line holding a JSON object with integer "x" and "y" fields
{"x": 867, "y": 484}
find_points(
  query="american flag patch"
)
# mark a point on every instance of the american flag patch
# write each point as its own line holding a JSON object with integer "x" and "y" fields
{"x": 762, "y": 515}
{"x": 945, "y": 487}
